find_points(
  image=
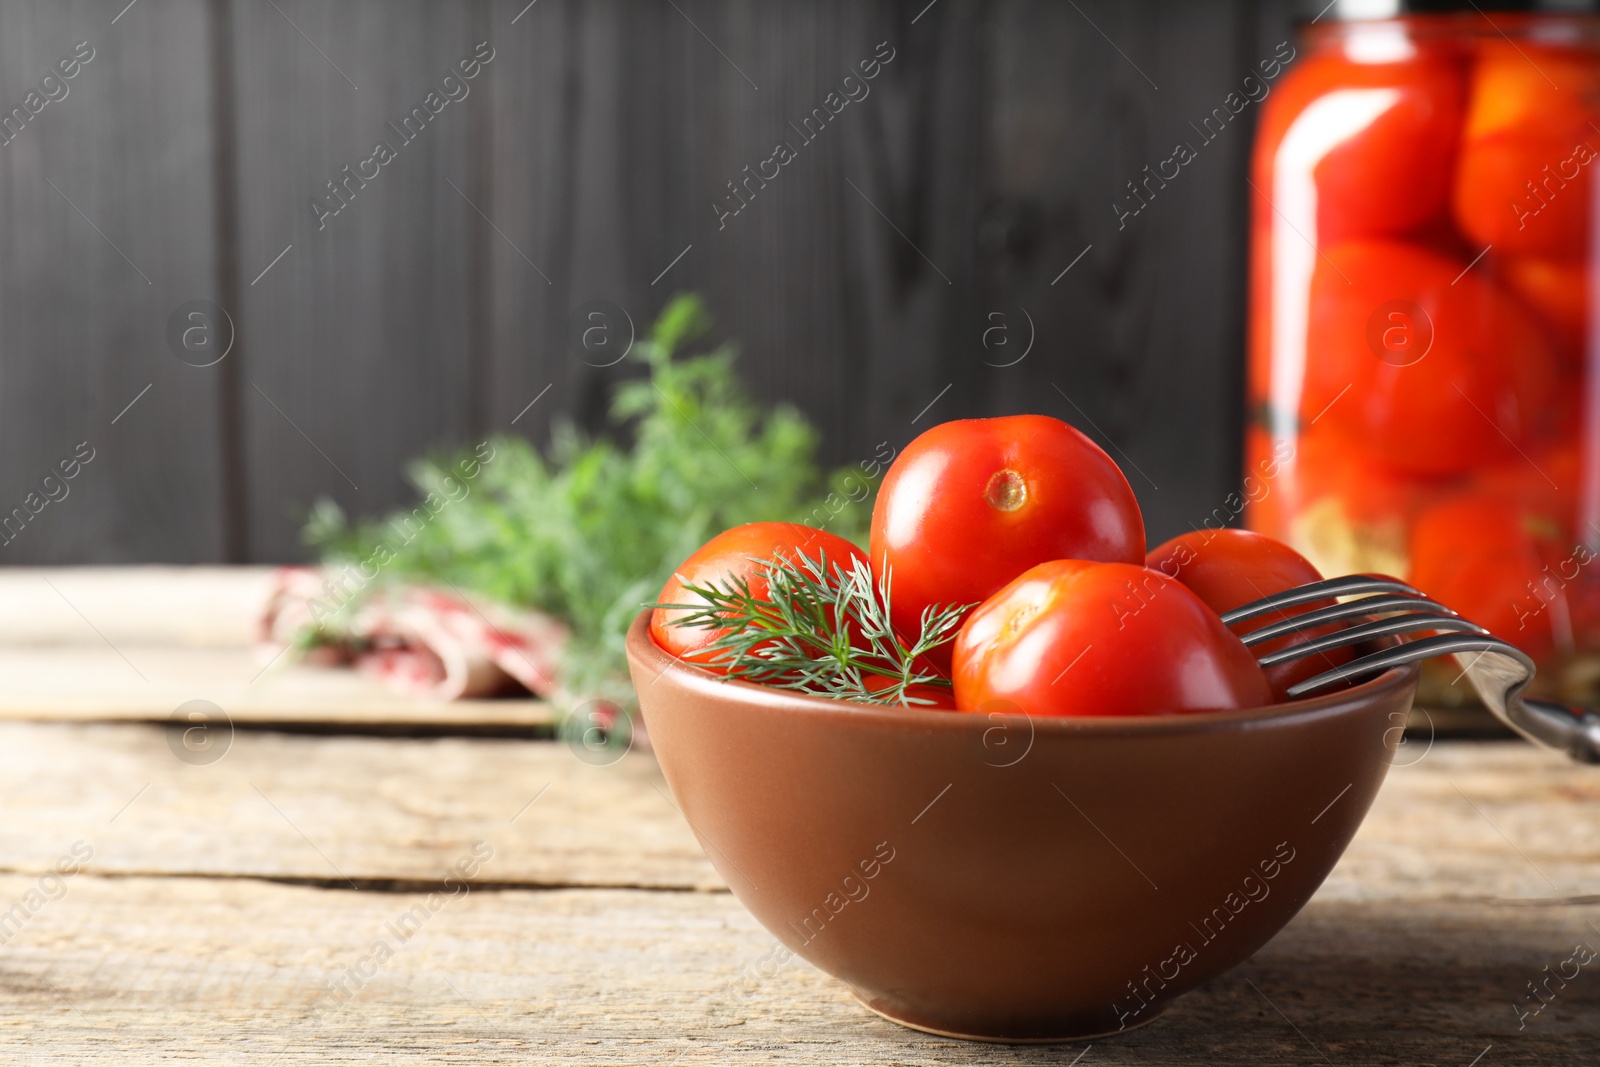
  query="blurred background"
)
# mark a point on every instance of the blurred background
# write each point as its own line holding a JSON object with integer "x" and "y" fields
{"x": 944, "y": 246}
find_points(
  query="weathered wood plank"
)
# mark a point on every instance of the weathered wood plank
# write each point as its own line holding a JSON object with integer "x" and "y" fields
{"x": 1138, "y": 343}
{"x": 541, "y": 260}
{"x": 625, "y": 125}
{"x": 133, "y": 643}
{"x": 107, "y": 203}
{"x": 136, "y": 970}
{"x": 357, "y": 349}
{"x": 92, "y": 683}
{"x": 332, "y": 808}
{"x": 381, "y": 808}
{"x": 187, "y": 607}
{"x": 864, "y": 279}
{"x": 1500, "y": 820}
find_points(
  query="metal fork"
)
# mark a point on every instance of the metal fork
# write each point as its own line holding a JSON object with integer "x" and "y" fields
{"x": 1378, "y": 606}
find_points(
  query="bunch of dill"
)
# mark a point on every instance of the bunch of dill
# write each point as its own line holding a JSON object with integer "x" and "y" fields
{"x": 590, "y": 529}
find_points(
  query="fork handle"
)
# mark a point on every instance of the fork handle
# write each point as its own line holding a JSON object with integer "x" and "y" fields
{"x": 1567, "y": 727}
{"x": 1563, "y": 727}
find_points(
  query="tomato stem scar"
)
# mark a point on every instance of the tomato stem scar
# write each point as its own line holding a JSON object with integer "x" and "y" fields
{"x": 1006, "y": 490}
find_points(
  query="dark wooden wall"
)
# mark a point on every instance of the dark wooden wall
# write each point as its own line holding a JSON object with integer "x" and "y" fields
{"x": 586, "y": 157}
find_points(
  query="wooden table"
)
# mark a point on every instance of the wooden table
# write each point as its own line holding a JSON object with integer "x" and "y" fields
{"x": 133, "y": 643}
{"x": 232, "y": 910}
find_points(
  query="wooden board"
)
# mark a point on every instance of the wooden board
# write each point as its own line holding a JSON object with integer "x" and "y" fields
{"x": 135, "y": 643}
{"x": 131, "y": 682}
{"x": 1144, "y": 334}
{"x": 140, "y": 970}
{"x": 1473, "y": 872}
{"x": 357, "y": 351}
{"x": 326, "y": 809}
{"x": 187, "y": 607}
{"x": 137, "y": 970}
{"x": 867, "y": 283}
{"x": 1497, "y": 821}
{"x": 108, "y": 198}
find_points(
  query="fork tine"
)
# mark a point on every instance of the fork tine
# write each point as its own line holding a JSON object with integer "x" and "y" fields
{"x": 1371, "y": 605}
{"x": 1355, "y": 635}
{"x": 1399, "y": 655}
{"x": 1350, "y": 585}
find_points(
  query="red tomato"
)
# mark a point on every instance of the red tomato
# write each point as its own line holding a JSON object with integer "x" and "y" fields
{"x": 1546, "y": 481}
{"x": 1266, "y": 508}
{"x": 1428, "y": 366}
{"x": 1071, "y": 637}
{"x": 1389, "y": 173}
{"x": 1228, "y": 569}
{"x": 1285, "y": 479}
{"x": 732, "y": 555}
{"x": 1530, "y": 88}
{"x": 1584, "y": 597}
{"x": 1328, "y": 462}
{"x": 1558, "y": 290}
{"x": 1481, "y": 554}
{"x": 1523, "y": 184}
{"x": 969, "y": 505}
{"x": 1525, "y": 193}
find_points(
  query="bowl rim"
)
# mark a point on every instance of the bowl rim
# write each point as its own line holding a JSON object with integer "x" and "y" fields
{"x": 642, "y": 649}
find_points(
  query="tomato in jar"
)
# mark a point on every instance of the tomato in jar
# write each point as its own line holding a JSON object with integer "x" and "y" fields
{"x": 1422, "y": 343}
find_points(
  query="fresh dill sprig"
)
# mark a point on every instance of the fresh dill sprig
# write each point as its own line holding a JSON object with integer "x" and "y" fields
{"x": 820, "y": 629}
{"x": 591, "y": 527}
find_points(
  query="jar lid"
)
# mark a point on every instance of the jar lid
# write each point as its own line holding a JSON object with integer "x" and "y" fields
{"x": 1387, "y": 9}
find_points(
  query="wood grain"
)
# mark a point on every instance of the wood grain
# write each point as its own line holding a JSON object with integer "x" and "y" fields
{"x": 1494, "y": 821}
{"x": 135, "y": 643}
{"x": 131, "y": 682}
{"x": 1143, "y": 334}
{"x": 108, "y": 199}
{"x": 136, "y": 970}
{"x": 178, "y": 607}
{"x": 866, "y": 283}
{"x": 327, "y": 809}
{"x": 1474, "y": 871}
{"x": 872, "y": 283}
{"x": 356, "y": 348}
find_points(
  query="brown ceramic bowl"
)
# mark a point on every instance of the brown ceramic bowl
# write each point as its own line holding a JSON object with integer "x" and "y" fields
{"x": 1010, "y": 878}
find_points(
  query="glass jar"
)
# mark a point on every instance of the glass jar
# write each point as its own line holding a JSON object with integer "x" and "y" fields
{"x": 1422, "y": 390}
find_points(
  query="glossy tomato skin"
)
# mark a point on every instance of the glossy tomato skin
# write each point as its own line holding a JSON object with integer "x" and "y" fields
{"x": 735, "y": 554}
{"x": 1422, "y": 368}
{"x": 1228, "y": 569}
{"x": 1456, "y": 374}
{"x": 969, "y": 505}
{"x": 1525, "y": 179}
{"x": 1480, "y": 553}
{"x": 1388, "y": 175}
{"x": 1496, "y": 205}
{"x": 1558, "y": 290}
{"x": 1546, "y": 484}
{"x": 1076, "y": 638}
